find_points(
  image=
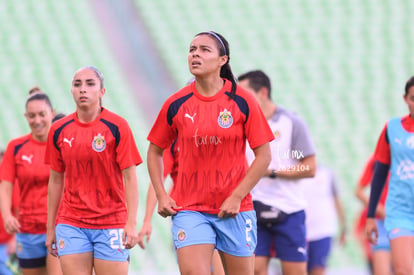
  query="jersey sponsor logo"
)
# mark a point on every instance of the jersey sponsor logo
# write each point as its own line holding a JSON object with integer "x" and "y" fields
{"x": 98, "y": 143}
{"x": 68, "y": 141}
{"x": 410, "y": 142}
{"x": 225, "y": 120}
{"x": 27, "y": 158}
{"x": 405, "y": 170}
{"x": 206, "y": 140}
{"x": 190, "y": 117}
{"x": 181, "y": 235}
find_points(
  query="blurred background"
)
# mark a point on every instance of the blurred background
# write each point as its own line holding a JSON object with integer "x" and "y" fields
{"x": 341, "y": 65}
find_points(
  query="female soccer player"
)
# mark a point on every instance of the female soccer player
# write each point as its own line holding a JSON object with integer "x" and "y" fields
{"x": 23, "y": 164}
{"x": 378, "y": 255}
{"x": 93, "y": 183}
{"x": 394, "y": 154}
{"x": 170, "y": 162}
{"x": 210, "y": 201}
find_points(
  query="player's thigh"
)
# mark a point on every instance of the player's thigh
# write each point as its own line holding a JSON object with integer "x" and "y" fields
{"x": 402, "y": 254}
{"x": 381, "y": 262}
{"x": 216, "y": 264}
{"x": 293, "y": 268}
{"x": 195, "y": 259}
{"x": 53, "y": 265}
{"x": 261, "y": 264}
{"x": 77, "y": 264}
{"x": 234, "y": 265}
{"x": 105, "y": 267}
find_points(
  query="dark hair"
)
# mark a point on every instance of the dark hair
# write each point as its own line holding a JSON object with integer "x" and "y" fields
{"x": 58, "y": 116}
{"x": 98, "y": 73}
{"x": 35, "y": 89}
{"x": 409, "y": 84}
{"x": 257, "y": 80}
{"x": 223, "y": 46}
{"x": 39, "y": 96}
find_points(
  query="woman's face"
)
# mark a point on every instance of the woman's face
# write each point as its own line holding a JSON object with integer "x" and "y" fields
{"x": 39, "y": 115}
{"x": 409, "y": 99}
{"x": 204, "y": 58}
{"x": 86, "y": 89}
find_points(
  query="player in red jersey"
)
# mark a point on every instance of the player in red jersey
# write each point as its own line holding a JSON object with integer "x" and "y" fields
{"x": 170, "y": 162}
{"x": 7, "y": 241}
{"x": 24, "y": 164}
{"x": 93, "y": 184}
{"x": 378, "y": 256}
{"x": 210, "y": 203}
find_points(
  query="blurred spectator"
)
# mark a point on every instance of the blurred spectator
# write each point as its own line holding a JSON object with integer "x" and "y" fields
{"x": 324, "y": 211}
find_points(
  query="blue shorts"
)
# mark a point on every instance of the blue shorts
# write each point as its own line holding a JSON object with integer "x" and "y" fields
{"x": 106, "y": 244}
{"x": 234, "y": 236}
{"x": 31, "y": 250}
{"x": 318, "y": 252}
{"x": 287, "y": 238}
{"x": 4, "y": 257}
{"x": 383, "y": 242}
{"x": 400, "y": 232}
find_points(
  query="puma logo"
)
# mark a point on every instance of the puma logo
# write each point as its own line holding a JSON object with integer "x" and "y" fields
{"x": 190, "y": 117}
{"x": 27, "y": 158}
{"x": 68, "y": 141}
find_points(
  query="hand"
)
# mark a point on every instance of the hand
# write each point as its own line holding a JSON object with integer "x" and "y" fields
{"x": 146, "y": 230}
{"x": 11, "y": 224}
{"x": 167, "y": 206}
{"x": 51, "y": 242}
{"x": 230, "y": 208}
{"x": 371, "y": 230}
{"x": 130, "y": 235}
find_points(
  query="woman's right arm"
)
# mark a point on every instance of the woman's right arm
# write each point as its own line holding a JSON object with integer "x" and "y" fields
{"x": 166, "y": 205}
{"x": 146, "y": 228}
{"x": 11, "y": 224}
{"x": 55, "y": 192}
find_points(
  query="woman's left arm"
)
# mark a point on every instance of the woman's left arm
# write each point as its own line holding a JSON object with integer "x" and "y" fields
{"x": 231, "y": 206}
{"x": 130, "y": 235}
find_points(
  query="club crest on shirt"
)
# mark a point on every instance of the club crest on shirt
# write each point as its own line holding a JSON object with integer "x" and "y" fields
{"x": 181, "y": 235}
{"x": 225, "y": 120}
{"x": 61, "y": 244}
{"x": 98, "y": 143}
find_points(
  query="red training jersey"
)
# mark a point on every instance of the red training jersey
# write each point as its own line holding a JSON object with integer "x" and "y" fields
{"x": 212, "y": 133}
{"x": 382, "y": 151}
{"x": 92, "y": 156}
{"x": 24, "y": 164}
